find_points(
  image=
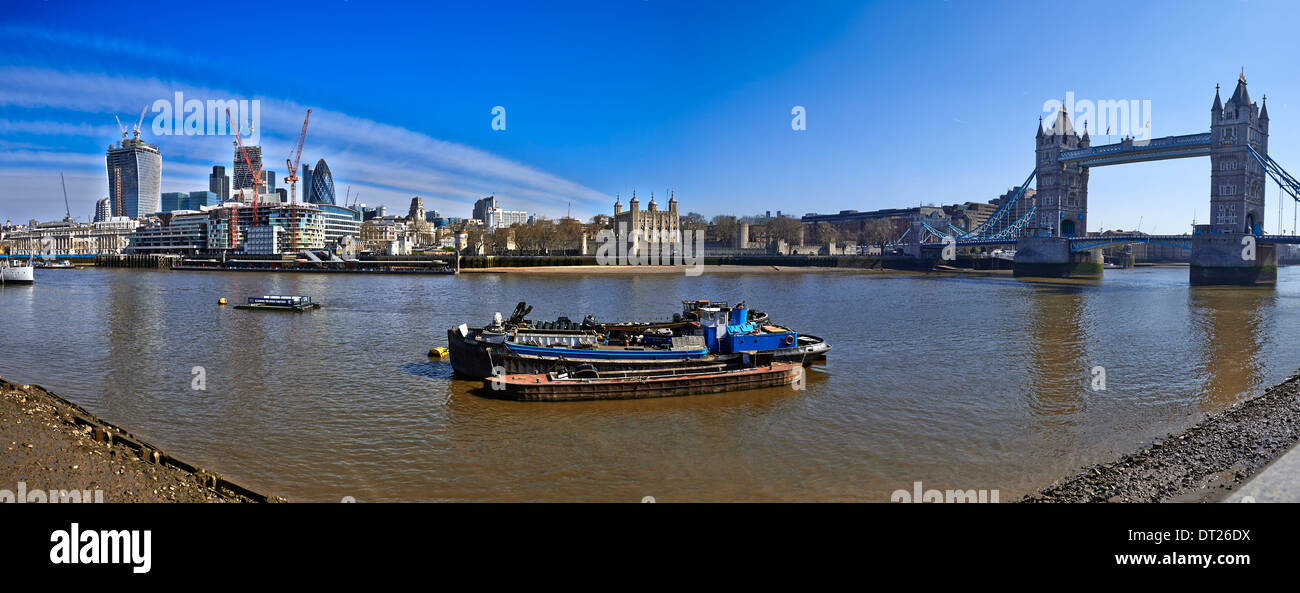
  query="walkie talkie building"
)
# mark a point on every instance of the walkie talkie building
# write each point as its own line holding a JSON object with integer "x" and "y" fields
{"x": 134, "y": 178}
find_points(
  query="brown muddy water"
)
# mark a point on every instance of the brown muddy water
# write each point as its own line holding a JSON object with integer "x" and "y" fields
{"x": 956, "y": 382}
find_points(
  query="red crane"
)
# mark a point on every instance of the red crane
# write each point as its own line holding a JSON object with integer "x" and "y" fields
{"x": 257, "y": 179}
{"x": 292, "y": 177}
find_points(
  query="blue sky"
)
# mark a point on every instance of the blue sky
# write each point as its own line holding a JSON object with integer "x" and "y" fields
{"x": 906, "y": 102}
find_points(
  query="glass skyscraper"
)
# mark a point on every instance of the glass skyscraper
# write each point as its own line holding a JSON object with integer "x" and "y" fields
{"x": 322, "y": 184}
{"x": 219, "y": 182}
{"x": 243, "y": 178}
{"x": 134, "y": 178}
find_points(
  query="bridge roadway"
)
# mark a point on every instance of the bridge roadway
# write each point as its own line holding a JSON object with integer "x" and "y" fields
{"x": 1086, "y": 243}
{"x": 1137, "y": 151}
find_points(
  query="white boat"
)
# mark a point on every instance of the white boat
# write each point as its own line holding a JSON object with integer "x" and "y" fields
{"x": 17, "y": 272}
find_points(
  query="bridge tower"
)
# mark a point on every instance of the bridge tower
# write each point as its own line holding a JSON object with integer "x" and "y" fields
{"x": 1062, "y": 187}
{"x": 1221, "y": 250}
{"x": 1236, "y": 179}
{"x": 1062, "y": 208}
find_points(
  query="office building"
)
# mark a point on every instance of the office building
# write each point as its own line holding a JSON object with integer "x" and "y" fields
{"x": 134, "y": 178}
{"x": 263, "y": 240}
{"x": 320, "y": 184}
{"x": 243, "y": 177}
{"x": 103, "y": 211}
{"x": 219, "y": 183}
{"x": 493, "y": 216}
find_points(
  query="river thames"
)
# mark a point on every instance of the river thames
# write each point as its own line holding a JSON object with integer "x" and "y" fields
{"x": 984, "y": 382}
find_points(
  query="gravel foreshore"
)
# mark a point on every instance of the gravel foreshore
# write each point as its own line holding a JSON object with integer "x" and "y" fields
{"x": 54, "y": 449}
{"x": 1200, "y": 464}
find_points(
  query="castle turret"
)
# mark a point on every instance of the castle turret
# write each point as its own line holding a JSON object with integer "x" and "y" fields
{"x": 1237, "y": 187}
{"x": 1062, "y": 194}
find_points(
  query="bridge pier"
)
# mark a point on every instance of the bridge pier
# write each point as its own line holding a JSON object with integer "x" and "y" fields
{"x": 1050, "y": 257}
{"x": 1232, "y": 259}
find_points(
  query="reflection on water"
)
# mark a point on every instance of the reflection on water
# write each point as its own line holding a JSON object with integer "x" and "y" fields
{"x": 979, "y": 382}
{"x": 1232, "y": 323}
{"x": 1058, "y": 365}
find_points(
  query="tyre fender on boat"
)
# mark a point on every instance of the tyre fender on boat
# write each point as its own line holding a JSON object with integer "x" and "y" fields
{"x": 789, "y": 340}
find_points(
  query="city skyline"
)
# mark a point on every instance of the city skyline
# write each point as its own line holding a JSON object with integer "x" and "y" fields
{"x": 648, "y": 100}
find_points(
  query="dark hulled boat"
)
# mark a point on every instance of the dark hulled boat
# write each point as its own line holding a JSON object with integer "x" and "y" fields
{"x": 639, "y": 385}
{"x": 704, "y": 335}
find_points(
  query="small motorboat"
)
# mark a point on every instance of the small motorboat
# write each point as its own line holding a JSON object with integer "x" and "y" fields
{"x": 279, "y": 303}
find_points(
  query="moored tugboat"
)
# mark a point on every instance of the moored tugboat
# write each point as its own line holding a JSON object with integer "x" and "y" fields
{"x": 706, "y": 337}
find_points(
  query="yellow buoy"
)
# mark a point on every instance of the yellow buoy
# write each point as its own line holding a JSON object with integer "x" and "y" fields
{"x": 437, "y": 352}
{"x": 221, "y": 301}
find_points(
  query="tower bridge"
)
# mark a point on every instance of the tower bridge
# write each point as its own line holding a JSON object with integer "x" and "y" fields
{"x": 1050, "y": 232}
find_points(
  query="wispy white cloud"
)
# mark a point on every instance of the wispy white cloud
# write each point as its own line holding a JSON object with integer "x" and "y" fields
{"x": 29, "y": 36}
{"x": 386, "y": 162}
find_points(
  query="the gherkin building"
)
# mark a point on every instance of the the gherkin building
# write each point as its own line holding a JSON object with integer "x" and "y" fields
{"x": 322, "y": 185}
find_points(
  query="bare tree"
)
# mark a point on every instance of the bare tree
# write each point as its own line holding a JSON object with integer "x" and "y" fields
{"x": 825, "y": 233}
{"x": 724, "y": 228}
{"x": 784, "y": 229}
{"x": 881, "y": 231}
{"x": 502, "y": 238}
{"x": 568, "y": 231}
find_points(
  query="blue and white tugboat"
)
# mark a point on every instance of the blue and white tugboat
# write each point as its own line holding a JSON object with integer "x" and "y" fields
{"x": 706, "y": 335}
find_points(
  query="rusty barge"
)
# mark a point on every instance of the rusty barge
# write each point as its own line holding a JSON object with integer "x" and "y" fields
{"x": 639, "y": 385}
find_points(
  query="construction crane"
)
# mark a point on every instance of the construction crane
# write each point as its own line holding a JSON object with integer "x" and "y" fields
{"x": 136, "y": 129}
{"x": 257, "y": 179}
{"x": 292, "y": 177}
{"x": 67, "y": 216}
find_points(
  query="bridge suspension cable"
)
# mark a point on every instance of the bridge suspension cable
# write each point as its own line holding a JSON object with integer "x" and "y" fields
{"x": 1284, "y": 180}
{"x": 985, "y": 229}
{"x": 1017, "y": 225}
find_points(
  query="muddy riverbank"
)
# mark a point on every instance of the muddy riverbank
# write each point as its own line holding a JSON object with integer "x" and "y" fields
{"x": 54, "y": 449}
{"x": 1201, "y": 464}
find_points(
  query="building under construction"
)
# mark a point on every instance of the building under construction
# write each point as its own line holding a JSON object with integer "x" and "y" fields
{"x": 134, "y": 177}
{"x": 227, "y": 230}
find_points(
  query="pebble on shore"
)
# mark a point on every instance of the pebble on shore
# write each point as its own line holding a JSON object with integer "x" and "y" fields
{"x": 52, "y": 445}
{"x": 1200, "y": 464}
